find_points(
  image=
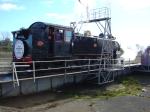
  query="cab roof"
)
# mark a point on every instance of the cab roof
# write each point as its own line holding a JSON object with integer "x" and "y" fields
{"x": 44, "y": 25}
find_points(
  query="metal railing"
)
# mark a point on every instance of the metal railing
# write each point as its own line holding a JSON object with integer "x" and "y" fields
{"x": 62, "y": 68}
{"x": 100, "y": 13}
{"x": 44, "y": 69}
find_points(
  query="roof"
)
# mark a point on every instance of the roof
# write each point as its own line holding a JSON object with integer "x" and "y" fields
{"x": 43, "y": 24}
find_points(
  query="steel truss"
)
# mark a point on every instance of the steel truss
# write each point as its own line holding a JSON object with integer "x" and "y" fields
{"x": 101, "y": 17}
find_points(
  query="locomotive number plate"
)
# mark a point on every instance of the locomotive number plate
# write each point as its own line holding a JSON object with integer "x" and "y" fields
{"x": 19, "y": 49}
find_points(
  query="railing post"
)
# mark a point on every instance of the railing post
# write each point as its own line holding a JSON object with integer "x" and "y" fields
{"x": 129, "y": 63}
{"x": 105, "y": 64}
{"x": 13, "y": 74}
{"x": 89, "y": 65}
{"x": 113, "y": 63}
{"x": 65, "y": 70}
{"x": 33, "y": 64}
{"x": 123, "y": 63}
{"x": 99, "y": 71}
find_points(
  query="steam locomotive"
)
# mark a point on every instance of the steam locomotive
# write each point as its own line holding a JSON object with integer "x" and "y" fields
{"x": 42, "y": 41}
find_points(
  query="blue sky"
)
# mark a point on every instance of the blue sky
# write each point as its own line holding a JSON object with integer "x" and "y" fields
{"x": 18, "y": 13}
{"x": 130, "y": 18}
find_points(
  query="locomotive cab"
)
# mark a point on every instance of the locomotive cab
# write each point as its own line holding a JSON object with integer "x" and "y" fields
{"x": 50, "y": 41}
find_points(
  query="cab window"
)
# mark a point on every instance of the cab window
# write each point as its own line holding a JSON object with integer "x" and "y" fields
{"x": 59, "y": 35}
{"x": 68, "y": 36}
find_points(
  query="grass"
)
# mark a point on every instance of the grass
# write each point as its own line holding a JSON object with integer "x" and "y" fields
{"x": 5, "y": 54}
{"x": 130, "y": 85}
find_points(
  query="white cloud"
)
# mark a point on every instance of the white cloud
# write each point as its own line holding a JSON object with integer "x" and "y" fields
{"x": 66, "y": 2}
{"x": 47, "y": 2}
{"x": 133, "y": 35}
{"x": 132, "y": 4}
{"x": 63, "y": 19}
{"x": 130, "y": 36}
{"x": 10, "y": 6}
{"x": 57, "y": 16}
{"x": 6, "y": 0}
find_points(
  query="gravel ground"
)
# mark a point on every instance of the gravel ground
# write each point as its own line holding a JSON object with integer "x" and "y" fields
{"x": 116, "y": 104}
{"x": 139, "y": 103}
{"x": 123, "y": 104}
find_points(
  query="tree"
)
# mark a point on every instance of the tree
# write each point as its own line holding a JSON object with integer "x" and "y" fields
{"x": 5, "y": 43}
{"x": 5, "y": 35}
{"x": 87, "y": 33}
{"x": 121, "y": 51}
{"x": 140, "y": 50}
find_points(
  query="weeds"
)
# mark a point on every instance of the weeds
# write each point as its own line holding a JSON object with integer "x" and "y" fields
{"x": 130, "y": 87}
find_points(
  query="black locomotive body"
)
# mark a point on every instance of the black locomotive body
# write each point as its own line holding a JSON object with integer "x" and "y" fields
{"x": 92, "y": 46}
{"x": 43, "y": 41}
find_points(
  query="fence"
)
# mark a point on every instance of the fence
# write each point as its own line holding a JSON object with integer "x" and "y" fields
{"x": 43, "y": 69}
